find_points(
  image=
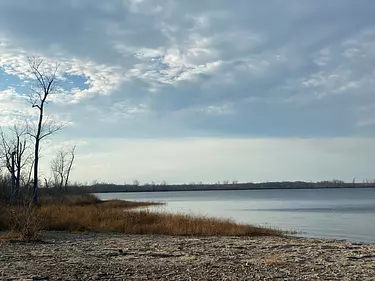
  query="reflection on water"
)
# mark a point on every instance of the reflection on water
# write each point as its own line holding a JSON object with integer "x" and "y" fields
{"x": 330, "y": 213}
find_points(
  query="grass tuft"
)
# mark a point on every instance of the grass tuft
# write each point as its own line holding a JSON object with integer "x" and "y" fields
{"x": 25, "y": 223}
{"x": 273, "y": 260}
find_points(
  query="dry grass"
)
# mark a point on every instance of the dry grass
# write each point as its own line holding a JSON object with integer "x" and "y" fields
{"x": 107, "y": 217}
{"x": 71, "y": 199}
{"x": 126, "y": 204}
{"x": 87, "y": 213}
{"x": 273, "y": 260}
{"x": 89, "y": 199}
{"x": 25, "y": 223}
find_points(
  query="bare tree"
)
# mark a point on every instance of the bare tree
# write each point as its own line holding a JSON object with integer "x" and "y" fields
{"x": 45, "y": 85}
{"x": 14, "y": 155}
{"x": 61, "y": 167}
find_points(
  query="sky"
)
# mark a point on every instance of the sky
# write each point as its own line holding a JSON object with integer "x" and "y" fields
{"x": 189, "y": 91}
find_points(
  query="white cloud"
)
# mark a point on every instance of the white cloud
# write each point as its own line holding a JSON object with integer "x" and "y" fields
{"x": 323, "y": 57}
{"x": 173, "y": 63}
{"x": 123, "y": 109}
{"x": 142, "y": 7}
{"x": 13, "y": 108}
{"x": 100, "y": 78}
{"x": 361, "y": 46}
{"x": 223, "y": 109}
{"x": 157, "y": 68}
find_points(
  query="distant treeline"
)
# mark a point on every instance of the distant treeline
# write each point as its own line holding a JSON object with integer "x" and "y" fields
{"x": 106, "y": 188}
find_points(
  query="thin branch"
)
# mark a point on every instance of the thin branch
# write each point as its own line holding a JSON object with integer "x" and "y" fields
{"x": 53, "y": 128}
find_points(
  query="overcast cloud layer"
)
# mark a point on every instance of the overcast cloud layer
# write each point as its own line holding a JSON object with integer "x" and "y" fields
{"x": 247, "y": 90}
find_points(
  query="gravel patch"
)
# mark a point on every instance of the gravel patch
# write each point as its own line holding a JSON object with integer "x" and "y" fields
{"x": 107, "y": 256}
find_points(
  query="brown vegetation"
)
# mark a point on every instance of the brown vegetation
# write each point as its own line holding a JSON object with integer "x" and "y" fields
{"x": 25, "y": 224}
{"x": 273, "y": 260}
{"x": 69, "y": 199}
{"x": 102, "y": 217}
{"x": 87, "y": 213}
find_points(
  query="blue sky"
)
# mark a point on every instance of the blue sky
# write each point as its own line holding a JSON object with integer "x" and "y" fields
{"x": 201, "y": 90}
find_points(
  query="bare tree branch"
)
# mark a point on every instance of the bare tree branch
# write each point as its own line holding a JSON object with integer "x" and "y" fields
{"x": 61, "y": 167}
{"x": 45, "y": 85}
{"x": 15, "y": 155}
{"x": 72, "y": 156}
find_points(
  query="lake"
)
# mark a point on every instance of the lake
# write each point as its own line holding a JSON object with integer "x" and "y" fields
{"x": 325, "y": 213}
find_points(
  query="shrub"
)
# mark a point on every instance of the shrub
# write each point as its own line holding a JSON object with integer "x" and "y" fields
{"x": 25, "y": 223}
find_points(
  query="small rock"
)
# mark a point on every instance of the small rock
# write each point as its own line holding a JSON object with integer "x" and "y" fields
{"x": 39, "y": 278}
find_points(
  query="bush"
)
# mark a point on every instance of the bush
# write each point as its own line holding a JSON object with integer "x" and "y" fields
{"x": 25, "y": 223}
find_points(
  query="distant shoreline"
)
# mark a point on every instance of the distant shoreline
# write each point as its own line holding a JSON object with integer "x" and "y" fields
{"x": 174, "y": 188}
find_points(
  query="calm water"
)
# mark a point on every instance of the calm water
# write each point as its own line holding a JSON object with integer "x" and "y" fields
{"x": 328, "y": 213}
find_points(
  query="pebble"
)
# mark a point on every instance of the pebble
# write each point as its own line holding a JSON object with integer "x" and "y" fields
{"x": 109, "y": 256}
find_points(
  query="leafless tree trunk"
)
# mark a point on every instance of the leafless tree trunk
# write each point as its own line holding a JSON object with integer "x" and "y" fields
{"x": 61, "y": 167}
{"x": 70, "y": 166}
{"x": 27, "y": 180}
{"x": 6, "y": 157}
{"x": 45, "y": 85}
{"x": 14, "y": 154}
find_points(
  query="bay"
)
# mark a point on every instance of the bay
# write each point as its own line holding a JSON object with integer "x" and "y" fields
{"x": 347, "y": 213}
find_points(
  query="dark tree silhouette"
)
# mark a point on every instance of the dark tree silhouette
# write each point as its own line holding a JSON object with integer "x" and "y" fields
{"x": 44, "y": 86}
